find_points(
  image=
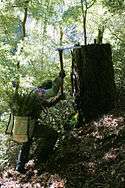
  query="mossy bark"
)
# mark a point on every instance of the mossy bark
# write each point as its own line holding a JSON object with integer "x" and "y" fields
{"x": 93, "y": 80}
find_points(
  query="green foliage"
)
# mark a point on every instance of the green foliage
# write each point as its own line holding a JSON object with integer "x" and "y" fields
{"x": 36, "y": 52}
{"x": 59, "y": 116}
{"x": 118, "y": 57}
{"x": 118, "y": 39}
{"x": 72, "y": 14}
{"x": 115, "y": 6}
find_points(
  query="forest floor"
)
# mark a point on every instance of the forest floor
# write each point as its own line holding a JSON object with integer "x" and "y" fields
{"x": 92, "y": 156}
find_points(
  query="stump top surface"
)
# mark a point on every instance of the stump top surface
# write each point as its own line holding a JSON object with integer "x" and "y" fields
{"x": 94, "y": 46}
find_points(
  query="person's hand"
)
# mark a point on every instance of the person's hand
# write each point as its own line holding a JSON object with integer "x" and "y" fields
{"x": 62, "y": 74}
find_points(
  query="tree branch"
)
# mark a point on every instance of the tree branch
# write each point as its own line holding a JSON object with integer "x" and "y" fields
{"x": 116, "y": 36}
{"x": 91, "y": 4}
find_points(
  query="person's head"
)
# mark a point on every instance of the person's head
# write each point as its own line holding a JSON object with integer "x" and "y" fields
{"x": 46, "y": 85}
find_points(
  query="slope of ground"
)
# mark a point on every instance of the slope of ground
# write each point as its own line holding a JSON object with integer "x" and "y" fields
{"x": 92, "y": 156}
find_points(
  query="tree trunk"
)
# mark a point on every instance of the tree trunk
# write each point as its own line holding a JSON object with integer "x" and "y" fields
{"x": 93, "y": 80}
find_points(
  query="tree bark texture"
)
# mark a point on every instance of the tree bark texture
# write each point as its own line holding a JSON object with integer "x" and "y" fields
{"x": 93, "y": 80}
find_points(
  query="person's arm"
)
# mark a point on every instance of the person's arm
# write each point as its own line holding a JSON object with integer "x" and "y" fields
{"x": 55, "y": 100}
{"x": 45, "y": 103}
{"x": 55, "y": 86}
{"x": 42, "y": 99}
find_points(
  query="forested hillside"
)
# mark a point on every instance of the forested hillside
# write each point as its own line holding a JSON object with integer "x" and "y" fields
{"x": 49, "y": 40}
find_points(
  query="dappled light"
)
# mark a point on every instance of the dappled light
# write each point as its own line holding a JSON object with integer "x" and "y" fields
{"x": 62, "y": 94}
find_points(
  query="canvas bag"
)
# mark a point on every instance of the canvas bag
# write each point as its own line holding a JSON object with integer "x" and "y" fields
{"x": 20, "y": 128}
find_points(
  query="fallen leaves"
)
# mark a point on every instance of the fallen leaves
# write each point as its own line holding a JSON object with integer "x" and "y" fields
{"x": 13, "y": 179}
{"x": 91, "y": 156}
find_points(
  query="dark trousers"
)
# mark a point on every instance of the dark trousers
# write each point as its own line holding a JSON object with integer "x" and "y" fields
{"x": 45, "y": 144}
{"x": 23, "y": 156}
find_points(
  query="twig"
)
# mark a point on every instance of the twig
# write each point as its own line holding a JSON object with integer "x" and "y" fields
{"x": 91, "y": 4}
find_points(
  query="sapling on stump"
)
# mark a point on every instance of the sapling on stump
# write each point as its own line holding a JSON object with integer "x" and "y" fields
{"x": 93, "y": 80}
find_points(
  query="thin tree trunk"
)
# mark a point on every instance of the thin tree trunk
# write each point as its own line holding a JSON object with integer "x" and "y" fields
{"x": 61, "y": 56}
{"x": 24, "y": 34}
{"x": 44, "y": 38}
{"x": 24, "y": 23}
{"x": 84, "y": 26}
{"x": 61, "y": 35}
{"x": 84, "y": 15}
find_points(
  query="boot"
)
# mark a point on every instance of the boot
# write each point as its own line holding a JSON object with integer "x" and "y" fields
{"x": 23, "y": 157}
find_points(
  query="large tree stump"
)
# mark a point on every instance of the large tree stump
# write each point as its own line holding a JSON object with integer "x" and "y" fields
{"x": 93, "y": 80}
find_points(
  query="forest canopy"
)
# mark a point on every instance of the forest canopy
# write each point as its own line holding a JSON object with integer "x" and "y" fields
{"x": 48, "y": 25}
{"x": 32, "y": 31}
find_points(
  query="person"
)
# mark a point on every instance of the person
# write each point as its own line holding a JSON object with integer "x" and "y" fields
{"x": 44, "y": 92}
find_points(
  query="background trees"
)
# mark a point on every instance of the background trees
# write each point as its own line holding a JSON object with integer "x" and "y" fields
{"x": 44, "y": 21}
{"x": 49, "y": 24}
